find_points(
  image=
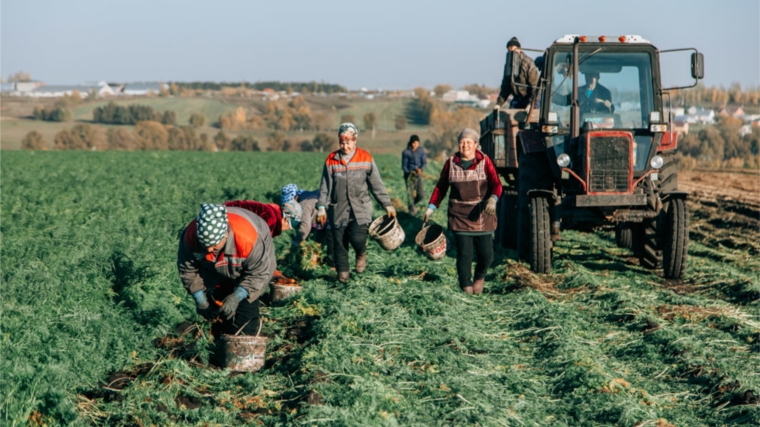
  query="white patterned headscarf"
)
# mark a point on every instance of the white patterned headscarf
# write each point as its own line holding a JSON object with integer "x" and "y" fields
{"x": 346, "y": 127}
{"x": 212, "y": 224}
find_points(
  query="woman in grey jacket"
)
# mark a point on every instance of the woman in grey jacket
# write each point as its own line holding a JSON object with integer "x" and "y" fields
{"x": 350, "y": 173}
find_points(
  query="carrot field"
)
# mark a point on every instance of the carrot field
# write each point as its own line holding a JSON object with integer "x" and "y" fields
{"x": 98, "y": 330}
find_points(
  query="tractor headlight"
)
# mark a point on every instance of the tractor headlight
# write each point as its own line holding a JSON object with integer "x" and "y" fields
{"x": 563, "y": 160}
{"x": 656, "y": 162}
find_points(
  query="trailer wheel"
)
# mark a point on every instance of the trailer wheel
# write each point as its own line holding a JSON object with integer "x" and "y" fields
{"x": 676, "y": 239}
{"x": 624, "y": 235}
{"x": 540, "y": 235}
{"x": 649, "y": 248}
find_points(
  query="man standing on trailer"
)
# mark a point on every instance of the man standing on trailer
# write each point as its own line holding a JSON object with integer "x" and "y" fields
{"x": 526, "y": 80}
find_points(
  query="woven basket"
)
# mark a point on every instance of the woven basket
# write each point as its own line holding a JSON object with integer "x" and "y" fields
{"x": 388, "y": 232}
{"x": 432, "y": 241}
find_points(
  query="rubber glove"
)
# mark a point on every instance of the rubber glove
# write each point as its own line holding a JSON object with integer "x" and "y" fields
{"x": 428, "y": 213}
{"x": 321, "y": 215}
{"x": 391, "y": 211}
{"x": 230, "y": 305}
{"x": 202, "y": 306}
{"x": 491, "y": 206}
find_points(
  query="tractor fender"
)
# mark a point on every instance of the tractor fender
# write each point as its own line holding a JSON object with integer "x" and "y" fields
{"x": 542, "y": 193}
{"x": 531, "y": 141}
{"x": 673, "y": 195}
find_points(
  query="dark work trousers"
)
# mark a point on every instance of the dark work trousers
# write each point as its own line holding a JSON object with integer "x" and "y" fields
{"x": 247, "y": 312}
{"x": 353, "y": 234}
{"x": 482, "y": 247}
{"x": 324, "y": 237}
{"x": 415, "y": 189}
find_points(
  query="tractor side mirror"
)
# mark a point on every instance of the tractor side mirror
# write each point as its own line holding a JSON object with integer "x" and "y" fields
{"x": 697, "y": 66}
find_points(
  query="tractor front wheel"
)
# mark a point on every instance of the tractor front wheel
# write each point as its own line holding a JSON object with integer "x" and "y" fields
{"x": 676, "y": 239}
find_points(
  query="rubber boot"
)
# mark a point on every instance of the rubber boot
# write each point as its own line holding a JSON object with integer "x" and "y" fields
{"x": 361, "y": 263}
{"x": 343, "y": 276}
{"x": 477, "y": 286}
{"x": 468, "y": 290}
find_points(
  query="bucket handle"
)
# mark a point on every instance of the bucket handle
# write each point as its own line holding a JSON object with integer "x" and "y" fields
{"x": 374, "y": 233}
{"x": 261, "y": 323}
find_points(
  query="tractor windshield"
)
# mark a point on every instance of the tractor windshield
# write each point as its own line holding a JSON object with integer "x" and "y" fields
{"x": 614, "y": 88}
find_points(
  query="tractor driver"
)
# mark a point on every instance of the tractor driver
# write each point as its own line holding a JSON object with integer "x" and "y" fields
{"x": 593, "y": 97}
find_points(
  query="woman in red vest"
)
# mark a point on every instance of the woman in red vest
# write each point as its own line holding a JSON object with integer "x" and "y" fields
{"x": 475, "y": 189}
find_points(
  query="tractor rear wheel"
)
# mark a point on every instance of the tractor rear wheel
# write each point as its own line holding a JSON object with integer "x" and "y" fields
{"x": 676, "y": 239}
{"x": 540, "y": 235}
{"x": 624, "y": 235}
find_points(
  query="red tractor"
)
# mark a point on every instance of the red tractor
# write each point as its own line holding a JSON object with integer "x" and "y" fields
{"x": 595, "y": 148}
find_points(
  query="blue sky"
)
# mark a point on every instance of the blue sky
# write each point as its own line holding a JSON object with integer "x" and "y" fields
{"x": 390, "y": 44}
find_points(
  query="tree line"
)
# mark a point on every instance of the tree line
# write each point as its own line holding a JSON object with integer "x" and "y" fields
{"x": 717, "y": 95}
{"x": 302, "y": 87}
{"x": 112, "y": 113}
{"x": 278, "y": 115}
{"x": 445, "y": 121}
{"x": 153, "y": 135}
{"x": 60, "y": 111}
{"x": 721, "y": 145}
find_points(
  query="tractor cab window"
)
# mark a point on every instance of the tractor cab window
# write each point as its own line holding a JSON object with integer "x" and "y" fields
{"x": 614, "y": 88}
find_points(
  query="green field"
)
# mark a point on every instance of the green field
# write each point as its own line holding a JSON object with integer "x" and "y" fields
{"x": 97, "y": 329}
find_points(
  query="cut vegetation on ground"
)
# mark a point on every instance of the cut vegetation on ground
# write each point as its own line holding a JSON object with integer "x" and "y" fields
{"x": 97, "y": 329}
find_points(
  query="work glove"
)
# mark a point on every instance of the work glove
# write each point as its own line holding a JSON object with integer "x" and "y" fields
{"x": 230, "y": 305}
{"x": 491, "y": 206}
{"x": 419, "y": 171}
{"x": 499, "y": 101}
{"x": 202, "y": 306}
{"x": 428, "y": 214}
{"x": 391, "y": 211}
{"x": 321, "y": 215}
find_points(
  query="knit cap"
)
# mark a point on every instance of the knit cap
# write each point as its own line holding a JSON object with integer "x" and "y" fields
{"x": 513, "y": 42}
{"x": 468, "y": 133}
{"x": 212, "y": 224}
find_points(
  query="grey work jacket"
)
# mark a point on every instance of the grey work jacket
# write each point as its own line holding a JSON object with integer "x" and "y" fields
{"x": 345, "y": 188}
{"x": 247, "y": 258}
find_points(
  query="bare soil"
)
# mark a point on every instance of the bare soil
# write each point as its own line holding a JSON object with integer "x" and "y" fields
{"x": 742, "y": 187}
{"x": 724, "y": 208}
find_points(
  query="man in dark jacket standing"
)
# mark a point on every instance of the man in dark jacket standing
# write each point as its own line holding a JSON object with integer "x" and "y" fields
{"x": 413, "y": 162}
{"x": 526, "y": 79}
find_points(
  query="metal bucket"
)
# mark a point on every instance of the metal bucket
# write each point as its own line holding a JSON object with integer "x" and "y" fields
{"x": 244, "y": 353}
{"x": 388, "y": 232}
{"x": 432, "y": 241}
{"x": 281, "y": 292}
